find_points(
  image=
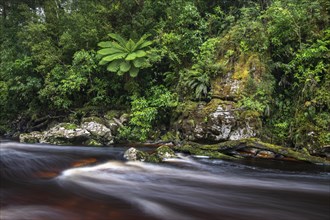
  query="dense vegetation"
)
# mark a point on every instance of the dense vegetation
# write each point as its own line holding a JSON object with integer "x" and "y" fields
{"x": 69, "y": 58}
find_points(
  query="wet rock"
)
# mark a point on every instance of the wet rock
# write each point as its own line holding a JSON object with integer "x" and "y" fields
{"x": 164, "y": 152}
{"x": 266, "y": 154}
{"x": 133, "y": 154}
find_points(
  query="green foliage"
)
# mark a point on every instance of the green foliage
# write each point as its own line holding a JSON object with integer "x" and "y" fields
{"x": 146, "y": 111}
{"x": 198, "y": 77}
{"x": 123, "y": 56}
{"x": 64, "y": 85}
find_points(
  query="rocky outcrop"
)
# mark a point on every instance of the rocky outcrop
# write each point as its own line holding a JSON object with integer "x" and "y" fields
{"x": 93, "y": 131}
{"x": 218, "y": 121}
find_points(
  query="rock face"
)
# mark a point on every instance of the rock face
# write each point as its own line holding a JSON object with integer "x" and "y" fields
{"x": 218, "y": 121}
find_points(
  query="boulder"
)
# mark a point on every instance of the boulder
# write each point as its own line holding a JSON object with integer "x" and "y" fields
{"x": 98, "y": 131}
{"x": 164, "y": 152}
{"x": 65, "y": 133}
{"x": 132, "y": 154}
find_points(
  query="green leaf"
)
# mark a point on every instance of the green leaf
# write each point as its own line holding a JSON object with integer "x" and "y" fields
{"x": 120, "y": 73}
{"x": 130, "y": 45}
{"x": 125, "y": 66}
{"x": 119, "y": 47}
{"x": 131, "y": 56}
{"x": 118, "y": 38}
{"x": 133, "y": 72}
{"x": 141, "y": 41}
{"x": 115, "y": 56}
{"x": 109, "y": 51}
{"x": 103, "y": 62}
{"x": 145, "y": 44}
{"x": 114, "y": 66}
{"x": 139, "y": 62}
{"x": 105, "y": 44}
{"x": 140, "y": 53}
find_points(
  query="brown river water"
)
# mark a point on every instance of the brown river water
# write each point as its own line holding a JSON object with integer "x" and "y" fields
{"x": 45, "y": 182}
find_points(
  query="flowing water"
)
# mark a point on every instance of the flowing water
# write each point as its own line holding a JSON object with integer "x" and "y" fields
{"x": 44, "y": 182}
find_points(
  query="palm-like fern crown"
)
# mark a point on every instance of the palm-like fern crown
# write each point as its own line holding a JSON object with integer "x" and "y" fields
{"x": 124, "y": 56}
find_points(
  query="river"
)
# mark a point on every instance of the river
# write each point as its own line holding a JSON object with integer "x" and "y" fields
{"x": 45, "y": 182}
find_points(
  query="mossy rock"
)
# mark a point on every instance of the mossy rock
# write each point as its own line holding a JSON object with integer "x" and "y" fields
{"x": 169, "y": 136}
{"x": 203, "y": 150}
{"x": 132, "y": 154}
{"x": 282, "y": 152}
{"x": 93, "y": 119}
{"x": 112, "y": 114}
{"x": 164, "y": 152}
{"x": 69, "y": 126}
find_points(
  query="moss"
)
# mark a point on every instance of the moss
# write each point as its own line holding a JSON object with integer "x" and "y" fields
{"x": 212, "y": 106}
{"x": 169, "y": 136}
{"x": 142, "y": 156}
{"x": 112, "y": 114}
{"x": 186, "y": 108}
{"x": 69, "y": 126}
{"x": 153, "y": 158}
{"x": 93, "y": 142}
{"x": 165, "y": 151}
{"x": 93, "y": 119}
